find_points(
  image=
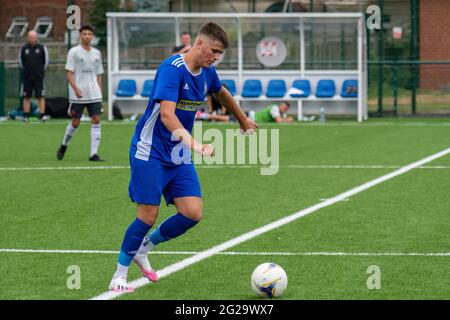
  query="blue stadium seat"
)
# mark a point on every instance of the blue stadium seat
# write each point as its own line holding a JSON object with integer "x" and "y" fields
{"x": 231, "y": 86}
{"x": 303, "y": 85}
{"x": 349, "y": 88}
{"x": 126, "y": 88}
{"x": 252, "y": 88}
{"x": 276, "y": 88}
{"x": 147, "y": 88}
{"x": 325, "y": 89}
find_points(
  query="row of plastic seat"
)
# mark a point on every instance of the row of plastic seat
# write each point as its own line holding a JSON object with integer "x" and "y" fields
{"x": 128, "y": 88}
{"x": 252, "y": 88}
{"x": 300, "y": 88}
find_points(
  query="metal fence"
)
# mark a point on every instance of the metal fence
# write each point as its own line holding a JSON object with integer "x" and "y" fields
{"x": 395, "y": 87}
{"x": 55, "y": 84}
{"x": 407, "y": 87}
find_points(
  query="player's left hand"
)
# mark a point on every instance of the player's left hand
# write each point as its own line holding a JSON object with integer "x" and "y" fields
{"x": 248, "y": 127}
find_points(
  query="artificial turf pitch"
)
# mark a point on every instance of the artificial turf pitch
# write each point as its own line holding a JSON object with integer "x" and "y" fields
{"x": 326, "y": 254}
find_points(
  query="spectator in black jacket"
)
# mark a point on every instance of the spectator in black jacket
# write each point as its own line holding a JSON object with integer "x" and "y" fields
{"x": 185, "y": 39}
{"x": 33, "y": 60}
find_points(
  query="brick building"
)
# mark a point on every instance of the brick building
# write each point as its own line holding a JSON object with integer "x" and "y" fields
{"x": 47, "y": 17}
{"x": 434, "y": 43}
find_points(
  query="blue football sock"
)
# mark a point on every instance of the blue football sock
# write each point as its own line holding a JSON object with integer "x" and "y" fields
{"x": 171, "y": 228}
{"x": 132, "y": 241}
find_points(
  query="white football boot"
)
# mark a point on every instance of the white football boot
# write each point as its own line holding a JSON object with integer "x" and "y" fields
{"x": 143, "y": 264}
{"x": 119, "y": 284}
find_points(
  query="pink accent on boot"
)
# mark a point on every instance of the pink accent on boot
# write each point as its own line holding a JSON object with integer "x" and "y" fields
{"x": 122, "y": 290}
{"x": 150, "y": 275}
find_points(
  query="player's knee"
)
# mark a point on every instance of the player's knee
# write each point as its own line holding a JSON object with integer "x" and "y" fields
{"x": 95, "y": 120}
{"x": 148, "y": 220}
{"x": 147, "y": 214}
{"x": 194, "y": 212}
{"x": 197, "y": 216}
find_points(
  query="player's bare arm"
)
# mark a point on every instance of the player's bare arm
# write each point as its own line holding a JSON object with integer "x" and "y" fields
{"x": 173, "y": 124}
{"x": 99, "y": 81}
{"x": 226, "y": 99}
{"x": 281, "y": 119}
{"x": 71, "y": 81}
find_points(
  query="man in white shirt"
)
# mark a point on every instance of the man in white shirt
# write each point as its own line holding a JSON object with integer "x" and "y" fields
{"x": 84, "y": 69}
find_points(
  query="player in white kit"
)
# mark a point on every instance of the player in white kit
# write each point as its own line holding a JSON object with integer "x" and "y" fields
{"x": 84, "y": 69}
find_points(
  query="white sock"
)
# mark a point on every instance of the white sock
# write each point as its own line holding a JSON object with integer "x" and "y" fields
{"x": 70, "y": 131}
{"x": 121, "y": 271}
{"x": 95, "y": 138}
{"x": 146, "y": 246}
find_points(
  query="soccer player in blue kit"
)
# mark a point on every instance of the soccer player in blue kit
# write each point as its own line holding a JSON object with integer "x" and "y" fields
{"x": 181, "y": 84}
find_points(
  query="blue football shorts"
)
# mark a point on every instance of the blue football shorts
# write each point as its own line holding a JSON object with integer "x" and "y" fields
{"x": 151, "y": 179}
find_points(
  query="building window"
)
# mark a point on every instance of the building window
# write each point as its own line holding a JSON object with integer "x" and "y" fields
{"x": 43, "y": 26}
{"x": 17, "y": 28}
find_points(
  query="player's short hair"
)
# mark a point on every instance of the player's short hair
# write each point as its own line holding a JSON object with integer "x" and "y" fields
{"x": 215, "y": 32}
{"x": 286, "y": 103}
{"x": 86, "y": 27}
{"x": 185, "y": 33}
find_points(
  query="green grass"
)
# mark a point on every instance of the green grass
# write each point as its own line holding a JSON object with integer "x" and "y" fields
{"x": 90, "y": 210}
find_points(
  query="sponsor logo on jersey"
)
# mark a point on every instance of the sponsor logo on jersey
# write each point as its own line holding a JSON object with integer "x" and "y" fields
{"x": 189, "y": 105}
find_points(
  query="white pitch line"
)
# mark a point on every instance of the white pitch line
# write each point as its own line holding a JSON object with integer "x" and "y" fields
{"x": 219, "y": 124}
{"x": 57, "y": 251}
{"x": 225, "y": 166}
{"x": 239, "y": 253}
{"x": 63, "y": 168}
{"x": 178, "y": 266}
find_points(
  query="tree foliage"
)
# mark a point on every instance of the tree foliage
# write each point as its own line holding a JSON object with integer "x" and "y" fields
{"x": 98, "y": 17}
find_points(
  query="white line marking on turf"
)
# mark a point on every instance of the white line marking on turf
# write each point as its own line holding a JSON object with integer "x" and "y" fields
{"x": 58, "y": 251}
{"x": 238, "y": 253}
{"x": 225, "y": 166}
{"x": 343, "y": 200}
{"x": 178, "y": 266}
{"x": 63, "y": 168}
{"x": 216, "y": 124}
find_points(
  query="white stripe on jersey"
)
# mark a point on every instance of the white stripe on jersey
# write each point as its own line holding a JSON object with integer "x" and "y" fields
{"x": 145, "y": 143}
{"x": 174, "y": 62}
{"x": 179, "y": 64}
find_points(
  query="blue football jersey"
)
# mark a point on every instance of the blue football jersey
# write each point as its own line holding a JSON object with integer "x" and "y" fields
{"x": 173, "y": 82}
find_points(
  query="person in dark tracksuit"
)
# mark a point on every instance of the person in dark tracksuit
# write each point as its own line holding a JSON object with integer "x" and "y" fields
{"x": 33, "y": 60}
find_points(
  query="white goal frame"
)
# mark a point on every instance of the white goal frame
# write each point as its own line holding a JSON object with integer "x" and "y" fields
{"x": 240, "y": 75}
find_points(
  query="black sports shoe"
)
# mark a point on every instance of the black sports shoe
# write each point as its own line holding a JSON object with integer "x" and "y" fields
{"x": 61, "y": 151}
{"x": 95, "y": 157}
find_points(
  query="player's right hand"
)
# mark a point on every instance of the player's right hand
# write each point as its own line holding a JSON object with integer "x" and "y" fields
{"x": 207, "y": 150}
{"x": 248, "y": 127}
{"x": 78, "y": 93}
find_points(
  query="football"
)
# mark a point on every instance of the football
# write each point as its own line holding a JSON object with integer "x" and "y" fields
{"x": 269, "y": 280}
